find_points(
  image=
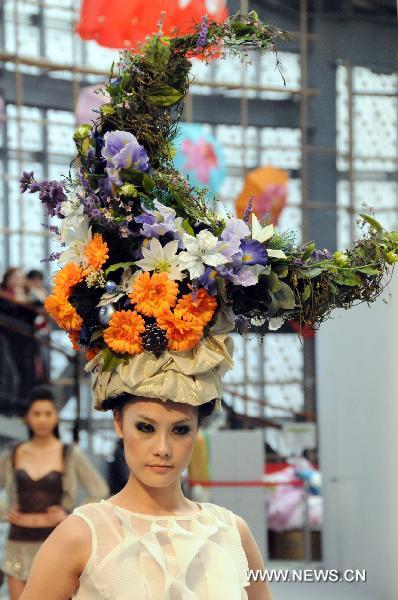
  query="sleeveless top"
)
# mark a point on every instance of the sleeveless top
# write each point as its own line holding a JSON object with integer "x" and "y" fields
{"x": 35, "y": 496}
{"x": 145, "y": 557}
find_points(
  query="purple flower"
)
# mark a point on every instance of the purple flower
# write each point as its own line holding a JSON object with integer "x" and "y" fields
{"x": 51, "y": 192}
{"x": 161, "y": 221}
{"x": 320, "y": 255}
{"x": 253, "y": 253}
{"x": 53, "y": 256}
{"x": 209, "y": 280}
{"x": 202, "y": 37}
{"x": 26, "y": 181}
{"x": 52, "y": 228}
{"x": 122, "y": 151}
{"x": 249, "y": 210}
{"x": 232, "y": 235}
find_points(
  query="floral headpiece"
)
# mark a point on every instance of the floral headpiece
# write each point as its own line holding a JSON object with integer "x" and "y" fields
{"x": 152, "y": 279}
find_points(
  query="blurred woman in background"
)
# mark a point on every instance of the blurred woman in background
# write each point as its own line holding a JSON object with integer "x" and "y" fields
{"x": 41, "y": 478}
{"x": 13, "y": 285}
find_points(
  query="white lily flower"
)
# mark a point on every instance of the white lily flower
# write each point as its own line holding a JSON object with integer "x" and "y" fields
{"x": 76, "y": 238}
{"x": 204, "y": 249}
{"x": 263, "y": 234}
{"x": 161, "y": 259}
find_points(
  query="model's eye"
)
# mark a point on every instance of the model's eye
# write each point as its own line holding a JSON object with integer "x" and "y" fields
{"x": 182, "y": 429}
{"x": 145, "y": 427}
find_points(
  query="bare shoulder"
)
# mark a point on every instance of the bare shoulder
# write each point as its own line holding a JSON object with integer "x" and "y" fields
{"x": 62, "y": 557}
{"x": 72, "y": 537}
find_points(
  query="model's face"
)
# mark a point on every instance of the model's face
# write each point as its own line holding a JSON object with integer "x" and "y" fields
{"x": 158, "y": 439}
{"x": 42, "y": 418}
{"x": 15, "y": 280}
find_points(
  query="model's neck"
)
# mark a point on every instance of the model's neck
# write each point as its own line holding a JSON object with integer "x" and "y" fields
{"x": 43, "y": 442}
{"x": 140, "y": 498}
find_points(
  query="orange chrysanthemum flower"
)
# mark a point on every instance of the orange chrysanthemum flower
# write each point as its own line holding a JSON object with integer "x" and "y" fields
{"x": 66, "y": 278}
{"x": 123, "y": 333}
{"x": 74, "y": 338}
{"x": 182, "y": 335}
{"x": 154, "y": 295}
{"x": 202, "y": 308}
{"x": 63, "y": 313}
{"x": 97, "y": 252}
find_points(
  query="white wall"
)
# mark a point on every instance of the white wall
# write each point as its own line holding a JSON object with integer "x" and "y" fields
{"x": 357, "y": 373}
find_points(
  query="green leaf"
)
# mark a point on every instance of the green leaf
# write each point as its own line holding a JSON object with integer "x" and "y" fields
{"x": 272, "y": 282}
{"x": 147, "y": 183}
{"x": 308, "y": 251}
{"x": 346, "y": 278}
{"x": 306, "y": 292}
{"x": 273, "y": 307}
{"x": 132, "y": 176}
{"x": 310, "y": 273}
{"x": 187, "y": 227}
{"x": 285, "y": 296}
{"x": 110, "y": 360}
{"x": 158, "y": 53}
{"x": 163, "y": 95}
{"x": 368, "y": 270}
{"x": 372, "y": 222}
{"x": 281, "y": 270}
{"x": 116, "y": 266}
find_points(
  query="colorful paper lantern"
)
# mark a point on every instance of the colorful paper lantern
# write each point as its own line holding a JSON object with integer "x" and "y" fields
{"x": 199, "y": 155}
{"x": 268, "y": 186}
{"x": 123, "y": 23}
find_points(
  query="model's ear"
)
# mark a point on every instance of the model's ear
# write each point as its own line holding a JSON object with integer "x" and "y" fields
{"x": 117, "y": 424}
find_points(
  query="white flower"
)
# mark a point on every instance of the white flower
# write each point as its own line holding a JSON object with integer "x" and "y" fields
{"x": 76, "y": 238}
{"x": 72, "y": 210}
{"x": 263, "y": 234}
{"x": 160, "y": 259}
{"x": 204, "y": 249}
{"x": 275, "y": 323}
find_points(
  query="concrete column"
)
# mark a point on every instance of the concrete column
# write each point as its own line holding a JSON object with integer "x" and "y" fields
{"x": 357, "y": 374}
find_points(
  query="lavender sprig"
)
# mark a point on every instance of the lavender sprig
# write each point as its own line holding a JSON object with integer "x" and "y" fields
{"x": 249, "y": 210}
{"x": 51, "y": 193}
{"x": 53, "y": 256}
{"x": 202, "y": 37}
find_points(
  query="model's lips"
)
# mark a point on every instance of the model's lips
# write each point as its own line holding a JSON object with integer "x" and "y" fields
{"x": 160, "y": 468}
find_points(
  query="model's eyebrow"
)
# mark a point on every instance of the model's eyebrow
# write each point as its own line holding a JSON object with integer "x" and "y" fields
{"x": 153, "y": 421}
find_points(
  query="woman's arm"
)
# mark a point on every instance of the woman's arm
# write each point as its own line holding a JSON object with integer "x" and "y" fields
{"x": 92, "y": 482}
{"x": 257, "y": 590}
{"x": 60, "y": 561}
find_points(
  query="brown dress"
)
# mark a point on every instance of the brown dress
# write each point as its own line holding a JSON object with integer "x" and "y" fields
{"x": 34, "y": 496}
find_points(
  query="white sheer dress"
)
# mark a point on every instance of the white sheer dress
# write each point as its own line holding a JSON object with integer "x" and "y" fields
{"x": 144, "y": 557}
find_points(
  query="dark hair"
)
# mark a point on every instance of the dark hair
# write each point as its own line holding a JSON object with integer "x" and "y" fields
{"x": 34, "y": 274}
{"x": 41, "y": 392}
{"x": 9, "y": 273}
{"x": 117, "y": 404}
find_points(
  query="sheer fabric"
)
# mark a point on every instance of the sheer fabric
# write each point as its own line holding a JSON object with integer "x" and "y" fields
{"x": 144, "y": 557}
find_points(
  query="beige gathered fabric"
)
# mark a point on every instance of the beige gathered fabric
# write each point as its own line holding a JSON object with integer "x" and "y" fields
{"x": 144, "y": 557}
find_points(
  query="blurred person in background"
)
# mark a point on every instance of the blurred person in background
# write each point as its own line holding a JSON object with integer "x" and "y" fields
{"x": 36, "y": 290}
{"x": 36, "y": 294}
{"x": 13, "y": 285}
{"x": 41, "y": 477}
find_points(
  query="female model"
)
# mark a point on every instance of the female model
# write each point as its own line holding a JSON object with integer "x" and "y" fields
{"x": 40, "y": 477}
{"x": 149, "y": 541}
